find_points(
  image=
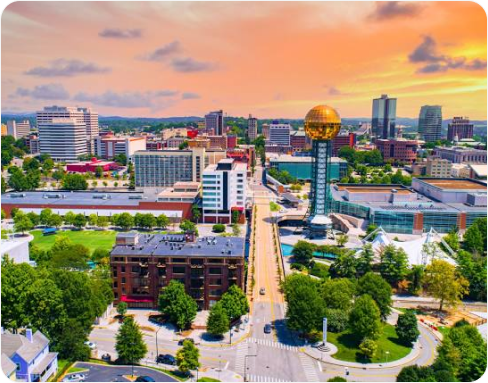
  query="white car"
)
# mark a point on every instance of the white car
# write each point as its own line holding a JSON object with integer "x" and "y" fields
{"x": 91, "y": 345}
{"x": 75, "y": 378}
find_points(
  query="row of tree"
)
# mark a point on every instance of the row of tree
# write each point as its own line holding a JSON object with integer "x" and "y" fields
{"x": 461, "y": 358}
{"x": 60, "y": 302}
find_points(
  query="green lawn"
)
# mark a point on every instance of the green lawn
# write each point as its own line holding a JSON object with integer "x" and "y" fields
{"x": 92, "y": 239}
{"x": 348, "y": 346}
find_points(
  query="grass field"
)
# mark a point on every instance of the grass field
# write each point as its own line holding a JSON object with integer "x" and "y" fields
{"x": 348, "y": 347}
{"x": 89, "y": 238}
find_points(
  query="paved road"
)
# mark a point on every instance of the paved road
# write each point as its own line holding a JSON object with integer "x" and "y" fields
{"x": 102, "y": 373}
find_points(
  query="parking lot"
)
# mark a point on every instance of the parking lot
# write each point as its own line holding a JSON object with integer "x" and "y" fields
{"x": 104, "y": 373}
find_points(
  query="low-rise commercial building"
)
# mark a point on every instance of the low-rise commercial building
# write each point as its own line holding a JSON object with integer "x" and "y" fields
{"x": 342, "y": 140}
{"x": 91, "y": 166}
{"x": 459, "y": 155}
{"x": 399, "y": 150}
{"x": 299, "y": 141}
{"x": 279, "y": 134}
{"x": 110, "y": 146}
{"x": 460, "y": 128}
{"x": 102, "y": 204}
{"x": 143, "y": 264}
{"x": 438, "y": 168}
{"x": 441, "y": 204}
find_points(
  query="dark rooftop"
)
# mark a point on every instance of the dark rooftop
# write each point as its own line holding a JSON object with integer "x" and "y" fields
{"x": 175, "y": 245}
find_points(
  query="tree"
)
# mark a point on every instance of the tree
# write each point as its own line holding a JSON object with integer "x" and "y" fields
{"x": 416, "y": 373}
{"x": 69, "y": 218}
{"x": 98, "y": 172}
{"x": 22, "y": 223}
{"x": 56, "y": 220}
{"x": 441, "y": 280}
{"x": 122, "y": 308}
{"x": 102, "y": 221}
{"x": 452, "y": 240}
{"x": 45, "y": 216}
{"x": 342, "y": 240}
{"x": 393, "y": 264}
{"x": 463, "y": 350}
{"x": 177, "y": 304}
{"x": 218, "y": 321}
{"x": 195, "y": 212}
{"x": 344, "y": 266}
{"x": 129, "y": 343}
{"x": 378, "y": 289}
{"x": 48, "y": 165}
{"x": 337, "y": 320}
{"x": 34, "y": 218}
{"x": 187, "y": 357}
{"x": 414, "y": 278}
{"x": 73, "y": 257}
{"x": 235, "y": 216}
{"x": 234, "y": 302}
{"x": 303, "y": 252}
{"x": 79, "y": 221}
{"x": 473, "y": 268}
{"x": 188, "y": 226}
{"x": 368, "y": 347}
{"x": 162, "y": 221}
{"x": 70, "y": 342}
{"x": 365, "y": 260}
{"x": 125, "y": 221}
{"x": 93, "y": 219}
{"x": 218, "y": 228}
{"x": 147, "y": 221}
{"x": 406, "y": 328}
{"x": 74, "y": 182}
{"x": 337, "y": 379}
{"x": 305, "y": 306}
{"x": 364, "y": 319}
{"x": 473, "y": 240}
{"x": 338, "y": 294}
{"x": 4, "y": 185}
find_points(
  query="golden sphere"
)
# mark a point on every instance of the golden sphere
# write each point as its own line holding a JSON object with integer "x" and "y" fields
{"x": 322, "y": 123}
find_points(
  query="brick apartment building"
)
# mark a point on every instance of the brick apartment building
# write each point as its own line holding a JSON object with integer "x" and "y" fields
{"x": 142, "y": 264}
{"x": 398, "y": 150}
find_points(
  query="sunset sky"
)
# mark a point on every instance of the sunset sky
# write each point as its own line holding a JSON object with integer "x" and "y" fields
{"x": 276, "y": 59}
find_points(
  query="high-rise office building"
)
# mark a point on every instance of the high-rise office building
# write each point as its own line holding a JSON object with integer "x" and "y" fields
{"x": 430, "y": 123}
{"x": 384, "y": 117}
{"x": 162, "y": 168}
{"x": 215, "y": 121}
{"x": 279, "y": 133}
{"x": 86, "y": 116}
{"x": 18, "y": 129}
{"x": 64, "y": 139}
{"x": 252, "y": 128}
{"x": 461, "y": 128}
{"x": 224, "y": 191}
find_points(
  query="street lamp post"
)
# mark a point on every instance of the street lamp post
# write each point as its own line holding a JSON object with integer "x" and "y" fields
{"x": 387, "y": 353}
{"x": 157, "y": 349}
{"x": 230, "y": 335}
{"x": 245, "y": 364}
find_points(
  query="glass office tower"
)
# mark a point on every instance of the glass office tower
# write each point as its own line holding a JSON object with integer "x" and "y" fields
{"x": 384, "y": 117}
{"x": 430, "y": 123}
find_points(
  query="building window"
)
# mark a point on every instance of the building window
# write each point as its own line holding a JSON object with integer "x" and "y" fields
{"x": 215, "y": 271}
{"x": 123, "y": 279}
{"x": 179, "y": 270}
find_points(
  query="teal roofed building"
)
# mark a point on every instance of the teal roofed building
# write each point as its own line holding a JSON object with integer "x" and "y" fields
{"x": 301, "y": 167}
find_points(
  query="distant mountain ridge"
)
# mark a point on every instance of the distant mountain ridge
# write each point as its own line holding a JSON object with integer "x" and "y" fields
{"x": 178, "y": 119}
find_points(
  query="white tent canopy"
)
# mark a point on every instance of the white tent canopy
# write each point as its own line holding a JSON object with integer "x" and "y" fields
{"x": 419, "y": 251}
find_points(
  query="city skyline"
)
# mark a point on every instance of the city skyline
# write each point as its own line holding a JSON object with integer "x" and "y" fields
{"x": 186, "y": 59}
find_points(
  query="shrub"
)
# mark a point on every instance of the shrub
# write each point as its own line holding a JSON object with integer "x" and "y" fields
{"x": 218, "y": 228}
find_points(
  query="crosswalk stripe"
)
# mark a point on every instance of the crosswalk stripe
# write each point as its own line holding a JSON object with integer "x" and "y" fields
{"x": 308, "y": 366}
{"x": 270, "y": 343}
{"x": 258, "y": 378}
{"x": 240, "y": 357}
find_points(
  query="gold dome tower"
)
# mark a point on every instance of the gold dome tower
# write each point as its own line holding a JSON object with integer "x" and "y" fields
{"x": 322, "y": 123}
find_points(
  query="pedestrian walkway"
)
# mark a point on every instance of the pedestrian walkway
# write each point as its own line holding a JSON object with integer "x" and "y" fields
{"x": 257, "y": 378}
{"x": 240, "y": 358}
{"x": 270, "y": 343}
{"x": 309, "y": 366}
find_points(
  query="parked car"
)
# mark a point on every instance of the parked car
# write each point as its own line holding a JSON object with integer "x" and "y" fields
{"x": 91, "y": 345}
{"x": 144, "y": 379}
{"x": 106, "y": 358}
{"x": 262, "y": 291}
{"x": 181, "y": 341}
{"x": 267, "y": 328}
{"x": 75, "y": 378}
{"x": 166, "y": 359}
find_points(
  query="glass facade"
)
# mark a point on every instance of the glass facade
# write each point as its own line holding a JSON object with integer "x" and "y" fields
{"x": 395, "y": 222}
{"x": 441, "y": 222}
{"x": 162, "y": 170}
{"x": 351, "y": 209}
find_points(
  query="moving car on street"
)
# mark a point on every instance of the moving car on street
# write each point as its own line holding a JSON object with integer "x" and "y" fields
{"x": 166, "y": 359}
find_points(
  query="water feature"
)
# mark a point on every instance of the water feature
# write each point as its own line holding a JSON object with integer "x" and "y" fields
{"x": 287, "y": 249}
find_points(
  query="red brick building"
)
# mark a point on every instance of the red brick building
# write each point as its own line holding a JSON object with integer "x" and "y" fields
{"x": 91, "y": 166}
{"x": 143, "y": 264}
{"x": 398, "y": 150}
{"x": 342, "y": 140}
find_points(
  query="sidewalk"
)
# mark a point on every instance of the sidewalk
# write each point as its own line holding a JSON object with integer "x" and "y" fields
{"x": 239, "y": 333}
